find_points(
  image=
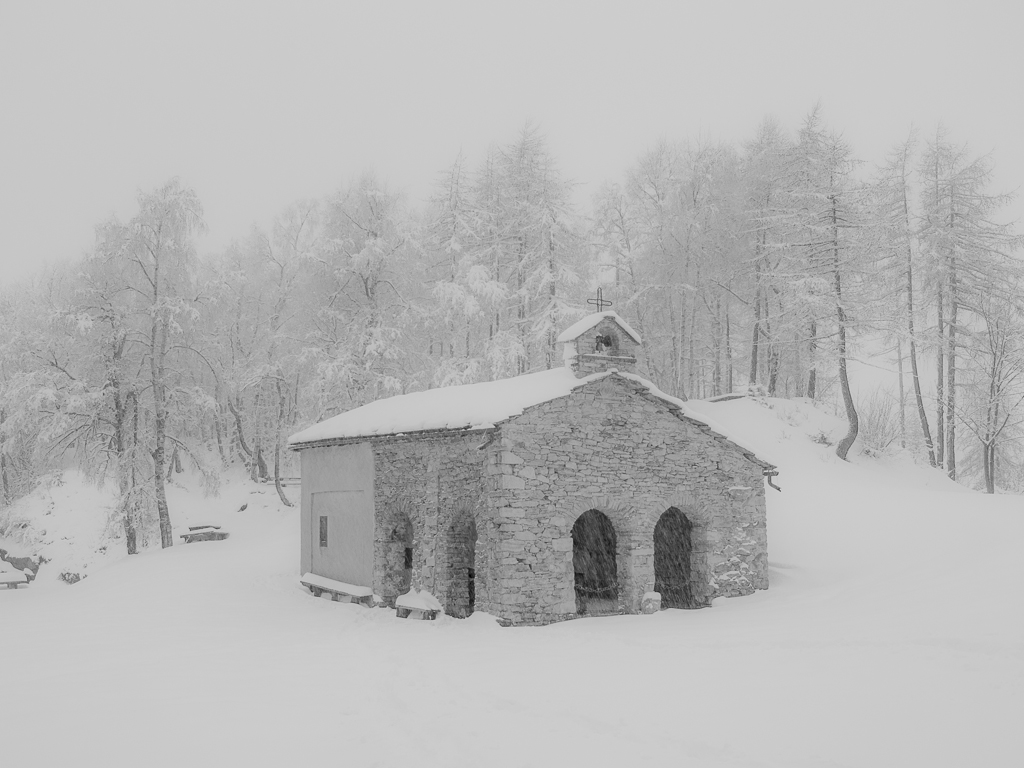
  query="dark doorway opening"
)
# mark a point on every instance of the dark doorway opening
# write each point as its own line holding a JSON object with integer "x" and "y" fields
{"x": 673, "y": 547}
{"x": 398, "y": 577}
{"x": 593, "y": 563}
{"x": 461, "y": 596}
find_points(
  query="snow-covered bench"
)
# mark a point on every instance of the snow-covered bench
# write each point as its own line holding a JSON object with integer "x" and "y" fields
{"x": 338, "y": 590}
{"x": 417, "y": 605}
{"x": 204, "y": 533}
{"x": 13, "y": 579}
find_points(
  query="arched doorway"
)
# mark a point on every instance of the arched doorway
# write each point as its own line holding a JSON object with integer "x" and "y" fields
{"x": 461, "y": 594}
{"x": 593, "y": 564}
{"x": 673, "y": 547}
{"x": 399, "y": 556}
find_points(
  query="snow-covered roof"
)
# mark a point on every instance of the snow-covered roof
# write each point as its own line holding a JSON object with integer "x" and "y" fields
{"x": 469, "y": 406}
{"x": 580, "y": 327}
{"x": 473, "y": 406}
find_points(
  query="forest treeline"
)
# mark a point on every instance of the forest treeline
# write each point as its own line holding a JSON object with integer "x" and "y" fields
{"x": 766, "y": 266}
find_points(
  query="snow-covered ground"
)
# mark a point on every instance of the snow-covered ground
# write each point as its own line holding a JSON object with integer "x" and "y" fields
{"x": 892, "y": 635}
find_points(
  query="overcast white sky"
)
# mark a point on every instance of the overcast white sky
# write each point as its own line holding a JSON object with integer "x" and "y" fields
{"x": 256, "y": 105}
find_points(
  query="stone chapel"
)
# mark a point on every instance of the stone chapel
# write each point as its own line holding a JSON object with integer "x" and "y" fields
{"x": 548, "y": 496}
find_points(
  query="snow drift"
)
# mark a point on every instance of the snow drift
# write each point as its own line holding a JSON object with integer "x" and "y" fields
{"x": 892, "y": 635}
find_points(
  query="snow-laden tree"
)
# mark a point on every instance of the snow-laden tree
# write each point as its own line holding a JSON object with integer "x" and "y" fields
{"x": 992, "y": 386}
{"x": 768, "y": 176}
{"x": 114, "y": 436}
{"x": 505, "y": 256}
{"x": 35, "y": 381}
{"x": 362, "y": 288}
{"x": 145, "y": 297}
{"x": 897, "y": 250}
{"x": 969, "y": 255}
{"x": 455, "y": 310}
{"x": 739, "y": 265}
{"x": 536, "y": 241}
{"x": 671, "y": 250}
{"x": 830, "y": 225}
{"x": 255, "y": 344}
{"x": 620, "y": 238}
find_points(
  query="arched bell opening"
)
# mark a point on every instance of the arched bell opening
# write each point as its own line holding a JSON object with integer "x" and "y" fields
{"x": 594, "y": 565}
{"x": 673, "y": 553}
{"x": 460, "y": 599}
{"x": 607, "y": 343}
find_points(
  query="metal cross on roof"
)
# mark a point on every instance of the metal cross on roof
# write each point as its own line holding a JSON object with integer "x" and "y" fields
{"x": 599, "y": 302}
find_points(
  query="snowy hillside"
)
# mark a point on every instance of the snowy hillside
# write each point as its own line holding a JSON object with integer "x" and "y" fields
{"x": 892, "y": 635}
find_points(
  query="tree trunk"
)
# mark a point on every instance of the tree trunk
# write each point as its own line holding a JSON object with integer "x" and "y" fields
{"x": 844, "y": 381}
{"x": 551, "y": 358}
{"x": 951, "y": 372}
{"x": 915, "y": 374}
{"x": 133, "y": 479}
{"x": 691, "y": 389}
{"x": 773, "y": 371}
{"x": 728, "y": 348}
{"x": 716, "y": 349}
{"x": 992, "y": 426}
{"x": 773, "y": 354}
{"x": 124, "y": 476}
{"x": 988, "y": 457}
{"x": 812, "y": 375}
{"x": 156, "y": 360}
{"x": 246, "y": 451}
{"x": 217, "y": 425}
{"x": 174, "y": 463}
{"x": 3, "y": 466}
{"x": 3, "y": 475}
{"x": 903, "y": 392}
{"x": 756, "y": 332}
{"x": 277, "y": 447}
{"x": 940, "y": 421}
{"x": 676, "y": 342}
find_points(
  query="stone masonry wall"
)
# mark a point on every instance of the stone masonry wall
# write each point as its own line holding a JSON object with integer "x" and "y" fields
{"x": 611, "y": 446}
{"x": 437, "y": 483}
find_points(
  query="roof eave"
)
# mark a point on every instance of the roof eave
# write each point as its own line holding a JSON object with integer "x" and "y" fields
{"x": 408, "y": 435}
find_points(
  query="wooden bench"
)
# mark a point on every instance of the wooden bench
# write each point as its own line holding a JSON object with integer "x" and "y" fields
{"x": 204, "y": 533}
{"x": 338, "y": 590}
{"x": 13, "y": 579}
{"x": 285, "y": 481}
{"x": 412, "y": 606}
{"x": 426, "y": 614}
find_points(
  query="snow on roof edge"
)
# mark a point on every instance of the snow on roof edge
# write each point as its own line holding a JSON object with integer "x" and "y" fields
{"x": 583, "y": 325}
